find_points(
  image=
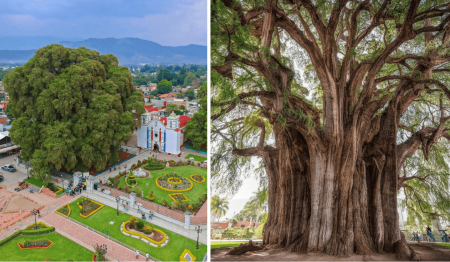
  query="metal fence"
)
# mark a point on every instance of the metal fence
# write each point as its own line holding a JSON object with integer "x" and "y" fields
{"x": 110, "y": 238}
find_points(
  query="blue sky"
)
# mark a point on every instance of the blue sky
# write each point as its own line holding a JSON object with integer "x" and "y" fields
{"x": 167, "y": 22}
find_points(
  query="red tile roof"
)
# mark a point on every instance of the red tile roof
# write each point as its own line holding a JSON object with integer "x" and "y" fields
{"x": 184, "y": 120}
{"x": 3, "y": 120}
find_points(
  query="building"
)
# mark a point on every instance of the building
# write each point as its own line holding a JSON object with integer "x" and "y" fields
{"x": 162, "y": 134}
{"x": 228, "y": 224}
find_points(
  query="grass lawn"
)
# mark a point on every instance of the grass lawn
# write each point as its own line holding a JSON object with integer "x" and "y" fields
{"x": 38, "y": 183}
{"x": 215, "y": 244}
{"x": 193, "y": 195}
{"x": 171, "y": 252}
{"x": 62, "y": 249}
{"x": 443, "y": 244}
{"x": 196, "y": 158}
{"x": 34, "y": 181}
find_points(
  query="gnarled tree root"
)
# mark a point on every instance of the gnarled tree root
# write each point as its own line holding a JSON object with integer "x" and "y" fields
{"x": 403, "y": 251}
{"x": 243, "y": 248}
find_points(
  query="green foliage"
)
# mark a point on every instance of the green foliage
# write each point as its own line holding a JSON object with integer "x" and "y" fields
{"x": 164, "y": 87}
{"x": 171, "y": 107}
{"x": 197, "y": 128}
{"x": 71, "y": 105}
{"x": 189, "y": 79}
{"x": 190, "y": 94}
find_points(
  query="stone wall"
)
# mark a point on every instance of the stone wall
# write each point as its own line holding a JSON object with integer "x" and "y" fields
{"x": 175, "y": 214}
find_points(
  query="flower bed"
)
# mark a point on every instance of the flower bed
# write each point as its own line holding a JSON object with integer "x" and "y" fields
{"x": 163, "y": 183}
{"x": 180, "y": 197}
{"x": 174, "y": 180}
{"x": 55, "y": 189}
{"x": 35, "y": 244}
{"x": 157, "y": 237}
{"x": 40, "y": 225}
{"x": 64, "y": 211}
{"x": 187, "y": 256}
{"x": 198, "y": 179}
{"x": 89, "y": 207}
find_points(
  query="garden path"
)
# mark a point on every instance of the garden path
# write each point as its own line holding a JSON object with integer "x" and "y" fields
{"x": 89, "y": 239}
{"x": 24, "y": 219}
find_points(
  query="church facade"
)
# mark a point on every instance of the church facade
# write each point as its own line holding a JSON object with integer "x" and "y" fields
{"x": 162, "y": 134}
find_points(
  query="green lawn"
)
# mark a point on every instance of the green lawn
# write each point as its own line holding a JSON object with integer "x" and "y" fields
{"x": 62, "y": 249}
{"x": 193, "y": 195}
{"x": 196, "y": 158}
{"x": 215, "y": 244}
{"x": 171, "y": 252}
{"x": 38, "y": 183}
{"x": 34, "y": 181}
{"x": 443, "y": 244}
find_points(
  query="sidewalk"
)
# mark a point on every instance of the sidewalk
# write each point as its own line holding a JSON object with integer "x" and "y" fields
{"x": 191, "y": 234}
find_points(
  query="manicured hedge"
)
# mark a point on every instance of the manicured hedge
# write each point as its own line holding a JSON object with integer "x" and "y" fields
{"x": 26, "y": 232}
{"x": 154, "y": 166}
{"x": 11, "y": 237}
{"x": 37, "y": 231}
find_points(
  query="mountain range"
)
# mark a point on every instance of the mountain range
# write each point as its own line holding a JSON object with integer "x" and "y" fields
{"x": 129, "y": 51}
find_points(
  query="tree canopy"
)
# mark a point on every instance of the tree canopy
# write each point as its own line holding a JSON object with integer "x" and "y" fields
{"x": 334, "y": 97}
{"x": 71, "y": 106}
{"x": 197, "y": 127}
{"x": 164, "y": 87}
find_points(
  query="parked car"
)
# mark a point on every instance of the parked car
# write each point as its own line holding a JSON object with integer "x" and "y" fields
{"x": 9, "y": 168}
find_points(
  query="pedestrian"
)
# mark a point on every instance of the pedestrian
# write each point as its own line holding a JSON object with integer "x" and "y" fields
{"x": 419, "y": 236}
{"x": 146, "y": 256}
{"x": 430, "y": 235}
{"x": 107, "y": 233}
{"x": 137, "y": 254}
{"x": 150, "y": 215}
{"x": 110, "y": 169}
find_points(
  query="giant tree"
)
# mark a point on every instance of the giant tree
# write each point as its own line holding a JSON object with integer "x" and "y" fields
{"x": 197, "y": 127}
{"x": 319, "y": 91}
{"x": 71, "y": 106}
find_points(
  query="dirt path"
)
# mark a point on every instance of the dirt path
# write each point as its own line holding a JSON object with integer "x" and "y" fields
{"x": 429, "y": 252}
{"x": 426, "y": 251}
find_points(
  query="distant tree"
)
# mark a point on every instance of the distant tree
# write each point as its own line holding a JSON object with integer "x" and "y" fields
{"x": 171, "y": 107}
{"x": 165, "y": 74}
{"x": 189, "y": 79}
{"x": 190, "y": 94}
{"x": 183, "y": 70}
{"x": 164, "y": 87}
{"x": 180, "y": 95}
{"x": 199, "y": 73}
{"x": 219, "y": 207}
{"x": 182, "y": 107}
{"x": 234, "y": 221}
{"x": 197, "y": 128}
{"x": 76, "y": 108}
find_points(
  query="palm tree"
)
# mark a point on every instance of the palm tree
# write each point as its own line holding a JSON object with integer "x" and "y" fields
{"x": 219, "y": 206}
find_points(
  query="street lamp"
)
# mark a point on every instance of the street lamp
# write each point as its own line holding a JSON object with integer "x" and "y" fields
{"x": 117, "y": 200}
{"x": 35, "y": 213}
{"x": 199, "y": 230}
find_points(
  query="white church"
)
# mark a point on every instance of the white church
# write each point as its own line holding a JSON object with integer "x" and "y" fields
{"x": 162, "y": 134}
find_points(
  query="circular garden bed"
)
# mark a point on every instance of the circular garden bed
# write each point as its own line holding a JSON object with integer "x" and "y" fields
{"x": 198, "y": 178}
{"x": 174, "y": 183}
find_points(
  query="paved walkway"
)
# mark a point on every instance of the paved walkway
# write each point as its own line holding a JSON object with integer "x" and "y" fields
{"x": 191, "y": 234}
{"x": 79, "y": 234}
{"x": 24, "y": 222}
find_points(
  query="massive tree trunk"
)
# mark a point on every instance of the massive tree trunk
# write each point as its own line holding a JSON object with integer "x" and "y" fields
{"x": 330, "y": 198}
